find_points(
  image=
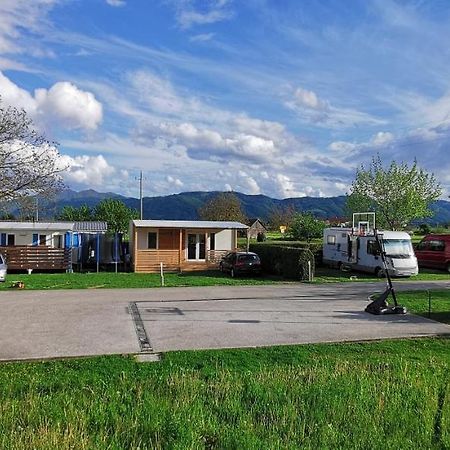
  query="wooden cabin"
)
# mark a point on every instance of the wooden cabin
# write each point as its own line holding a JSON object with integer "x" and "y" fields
{"x": 180, "y": 245}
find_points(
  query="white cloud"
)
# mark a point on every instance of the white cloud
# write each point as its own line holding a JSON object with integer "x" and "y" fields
{"x": 285, "y": 187}
{"x": 71, "y": 106}
{"x": 382, "y": 138}
{"x": 212, "y": 143}
{"x": 64, "y": 104}
{"x": 250, "y": 186}
{"x": 174, "y": 181}
{"x": 310, "y": 108}
{"x": 116, "y": 3}
{"x": 202, "y": 37}
{"x": 309, "y": 99}
{"x": 191, "y": 13}
{"x": 88, "y": 170}
{"x": 17, "y": 16}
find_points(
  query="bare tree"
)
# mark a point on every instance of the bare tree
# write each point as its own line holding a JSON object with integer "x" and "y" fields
{"x": 223, "y": 206}
{"x": 30, "y": 165}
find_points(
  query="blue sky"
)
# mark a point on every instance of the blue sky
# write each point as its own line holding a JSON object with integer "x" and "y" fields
{"x": 283, "y": 98}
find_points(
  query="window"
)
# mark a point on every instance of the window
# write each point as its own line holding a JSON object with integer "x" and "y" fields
{"x": 372, "y": 248}
{"x": 152, "y": 240}
{"x": 423, "y": 245}
{"x": 3, "y": 239}
{"x": 437, "y": 246}
{"x": 58, "y": 242}
{"x": 331, "y": 239}
{"x": 11, "y": 239}
{"x": 42, "y": 239}
{"x": 212, "y": 241}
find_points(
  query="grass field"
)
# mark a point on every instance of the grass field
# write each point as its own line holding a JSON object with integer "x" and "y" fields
{"x": 207, "y": 278}
{"x": 131, "y": 280}
{"x": 434, "y": 304}
{"x": 328, "y": 275}
{"x": 381, "y": 395}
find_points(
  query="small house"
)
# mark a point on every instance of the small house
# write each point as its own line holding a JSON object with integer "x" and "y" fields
{"x": 181, "y": 245}
{"x": 35, "y": 245}
{"x": 44, "y": 245}
{"x": 256, "y": 227}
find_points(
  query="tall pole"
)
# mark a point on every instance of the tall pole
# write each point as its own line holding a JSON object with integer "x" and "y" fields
{"x": 140, "y": 196}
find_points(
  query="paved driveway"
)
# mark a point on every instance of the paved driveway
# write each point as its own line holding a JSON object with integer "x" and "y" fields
{"x": 45, "y": 324}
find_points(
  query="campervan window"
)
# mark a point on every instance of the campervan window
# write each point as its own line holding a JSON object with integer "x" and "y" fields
{"x": 398, "y": 248}
{"x": 372, "y": 248}
{"x": 331, "y": 239}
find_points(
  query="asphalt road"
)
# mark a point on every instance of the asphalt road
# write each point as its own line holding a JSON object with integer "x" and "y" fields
{"x": 66, "y": 323}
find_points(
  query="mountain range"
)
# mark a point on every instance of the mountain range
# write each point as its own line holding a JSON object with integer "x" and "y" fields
{"x": 184, "y": 206}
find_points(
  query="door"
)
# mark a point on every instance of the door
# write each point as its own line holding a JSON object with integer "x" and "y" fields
{"x": 196, "y": 246}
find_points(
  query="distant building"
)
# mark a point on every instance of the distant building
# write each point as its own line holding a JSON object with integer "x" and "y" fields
{"x": 256, "y": 226}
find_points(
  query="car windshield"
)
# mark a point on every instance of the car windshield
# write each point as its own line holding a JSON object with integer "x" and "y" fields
{"x": 2, "y": 260}
{"x": 248, "y": 258}
{"x": 398, "y": 248}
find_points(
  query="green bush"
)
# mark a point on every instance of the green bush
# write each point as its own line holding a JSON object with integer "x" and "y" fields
{"x": 314, "y": 247}
{"x": 288, "y": 262}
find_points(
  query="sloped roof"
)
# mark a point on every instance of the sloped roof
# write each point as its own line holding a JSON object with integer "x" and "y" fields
{"x": 85, "y": 226}
{"x": 90, "y": 226}
{"x": 48, "y": 226}
{"x": 210, "y": 224}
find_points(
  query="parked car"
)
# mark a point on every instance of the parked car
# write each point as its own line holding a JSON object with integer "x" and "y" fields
{"x": 237, "y": 263}
{"x": 434, "y": 251}
{"x": 3, "y": 269}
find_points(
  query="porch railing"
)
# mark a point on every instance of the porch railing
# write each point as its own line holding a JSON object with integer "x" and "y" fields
{"x": 36, "y": 257}
{"x": 150, "y": 260}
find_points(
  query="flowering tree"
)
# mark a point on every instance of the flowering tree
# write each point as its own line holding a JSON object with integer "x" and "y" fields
{"x": 30, "y": 165}
{"x": 398, "y": 193}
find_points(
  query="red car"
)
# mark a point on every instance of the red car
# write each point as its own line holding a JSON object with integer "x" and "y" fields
{"x": 434, "y": 251}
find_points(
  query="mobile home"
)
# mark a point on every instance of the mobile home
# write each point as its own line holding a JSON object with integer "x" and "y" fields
{"x": 358, "y": 250}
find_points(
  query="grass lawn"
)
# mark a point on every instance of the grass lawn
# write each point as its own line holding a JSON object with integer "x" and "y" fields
{"x": 379, "y": 395}
{"x": 418, "y": 303}
{"x": 130, "y": 280}
{"x": 207, "y": 278}
{"x": 328, "y": 275}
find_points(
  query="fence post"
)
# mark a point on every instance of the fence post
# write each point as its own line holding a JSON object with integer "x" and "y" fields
{"x": 162, "y": 274}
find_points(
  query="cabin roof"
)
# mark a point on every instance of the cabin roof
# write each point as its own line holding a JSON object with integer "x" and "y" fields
{"x": 211, "y": 224}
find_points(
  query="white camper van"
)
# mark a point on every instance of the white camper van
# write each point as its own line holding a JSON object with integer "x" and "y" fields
{"x": 358, "y": 250}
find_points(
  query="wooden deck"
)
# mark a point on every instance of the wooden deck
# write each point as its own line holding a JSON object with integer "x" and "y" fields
{"x": 35, "y": 257}
{"x": 149, "y": 261}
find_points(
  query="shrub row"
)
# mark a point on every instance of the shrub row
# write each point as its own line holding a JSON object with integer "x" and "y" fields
{"x": 289, "y": 262}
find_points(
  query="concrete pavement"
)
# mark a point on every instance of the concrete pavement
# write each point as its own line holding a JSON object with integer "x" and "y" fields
{"x": 46, "y": 324}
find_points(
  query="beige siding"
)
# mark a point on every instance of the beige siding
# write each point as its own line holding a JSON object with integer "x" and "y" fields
{"x": 224, "y": 240}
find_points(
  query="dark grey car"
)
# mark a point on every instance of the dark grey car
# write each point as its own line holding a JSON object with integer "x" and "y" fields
{"x": 238, "y": 263}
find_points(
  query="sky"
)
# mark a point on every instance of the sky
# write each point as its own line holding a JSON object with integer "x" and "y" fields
{"x": 276, "y": 97}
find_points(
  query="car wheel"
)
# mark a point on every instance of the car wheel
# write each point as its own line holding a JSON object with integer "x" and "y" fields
{"x": 233, "y": 273}
{"x": 340, "y": 267}
{"x": 379, "y": 272}
{"x": 448, "y": 267}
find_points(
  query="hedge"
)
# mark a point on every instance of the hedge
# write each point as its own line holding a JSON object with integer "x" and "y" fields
{"x": 289, "y": 262}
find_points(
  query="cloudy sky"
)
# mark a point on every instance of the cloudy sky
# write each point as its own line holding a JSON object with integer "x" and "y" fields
{"x": 283, "y": 98}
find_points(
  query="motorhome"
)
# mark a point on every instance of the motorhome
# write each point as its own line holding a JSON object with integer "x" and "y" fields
{"x": 357, "y": 249}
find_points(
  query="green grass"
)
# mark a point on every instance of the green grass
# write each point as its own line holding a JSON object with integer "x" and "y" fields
{"x": 328, "y": 275}
{"x": 130, "y": 280}
{"x": 207, "y": 278}
{"x": 418, "y": 303}
{"x": 381, "y": 395}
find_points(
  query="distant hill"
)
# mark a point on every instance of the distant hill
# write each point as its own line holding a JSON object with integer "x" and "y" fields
{"x": 184, "y": 206}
